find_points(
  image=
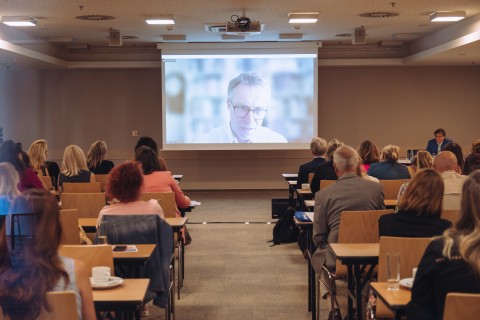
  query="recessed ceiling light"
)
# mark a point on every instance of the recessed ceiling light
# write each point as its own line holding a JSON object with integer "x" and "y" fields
{"x": 445, "y": 16}
{"x": 166, "y": 19}
{"x": 299, "y": 18}
{"x": 20, "y": 21}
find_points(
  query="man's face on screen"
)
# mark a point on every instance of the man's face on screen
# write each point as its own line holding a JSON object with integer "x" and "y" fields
{"x": 247, "y": 105}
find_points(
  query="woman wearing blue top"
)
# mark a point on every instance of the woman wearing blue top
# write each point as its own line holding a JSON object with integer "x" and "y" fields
{"x": 34, "y": 267}
{"x": 388, "y": 168}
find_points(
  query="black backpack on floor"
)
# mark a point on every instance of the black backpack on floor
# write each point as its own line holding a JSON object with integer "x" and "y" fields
{"x": 285, "y": 230}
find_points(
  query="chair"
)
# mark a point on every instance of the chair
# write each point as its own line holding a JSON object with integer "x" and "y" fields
{"x": 148, "y": 229}
{"x": 411, "y": 251}
{"x": 81, "y": 187}
{"x": 391, "y": 188}
{"x": 22, "y": 226}
{"x": 326, "y": 183}
{"x": 70, "y": 228}
{"x": 310, "y": 177}
{"x": 355, "y": 227}
{"x": 87, "y": 204}
{"x": 63, "y": 306}
{"x": 450, "y": 215}
{"x": 461, "y": 306}
{"x": 102, "y": 178}
{"x": 46, "y": 181}
{"x": 166, "y": 200}
{"x": 91, "y": 255}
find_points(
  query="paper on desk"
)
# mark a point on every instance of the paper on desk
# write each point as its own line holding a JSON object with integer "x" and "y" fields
{"x": 309, "y": 215}
{"x": 194, "y": 203}
{"x": 130, "y": 248}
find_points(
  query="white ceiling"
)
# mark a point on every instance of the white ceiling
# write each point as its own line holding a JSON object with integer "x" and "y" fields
{"x": 435, "y": 44}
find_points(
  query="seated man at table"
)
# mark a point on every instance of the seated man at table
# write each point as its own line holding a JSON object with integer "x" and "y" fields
{"x": 318, "y": 147}
{"x": 350, "y": 192}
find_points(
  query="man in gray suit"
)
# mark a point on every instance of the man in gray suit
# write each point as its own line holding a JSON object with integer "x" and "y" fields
{"x": 350, "y": 192}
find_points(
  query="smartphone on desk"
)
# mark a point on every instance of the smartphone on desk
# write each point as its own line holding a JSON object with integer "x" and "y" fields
{"x": 120, "y": 248}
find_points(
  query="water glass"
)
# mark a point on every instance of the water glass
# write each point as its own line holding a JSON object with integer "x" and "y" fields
{"x": 102, "y": 232}
{"x": 393, "y": 271}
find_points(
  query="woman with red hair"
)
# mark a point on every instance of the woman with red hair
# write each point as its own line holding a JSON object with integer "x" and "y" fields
{"x": 124, "y": 187}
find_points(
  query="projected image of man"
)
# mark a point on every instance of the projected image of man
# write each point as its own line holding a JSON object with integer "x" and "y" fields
{"x": 249, "y": 97}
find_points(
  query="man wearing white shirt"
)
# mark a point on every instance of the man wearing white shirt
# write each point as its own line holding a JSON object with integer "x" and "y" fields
{"x": 446, "y": 164}
{"x": 248, "y": 102}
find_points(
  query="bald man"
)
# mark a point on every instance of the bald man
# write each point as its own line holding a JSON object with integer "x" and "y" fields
{"x": 446, "y": 164}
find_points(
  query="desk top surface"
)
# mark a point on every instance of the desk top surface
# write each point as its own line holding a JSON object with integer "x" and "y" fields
{"x": 395, "y": 299}
{"x": 355, "y": 250}
{"x": 132, "y": 290}
{"x": 144, "y": 252}
{"x": 174, "y": 222}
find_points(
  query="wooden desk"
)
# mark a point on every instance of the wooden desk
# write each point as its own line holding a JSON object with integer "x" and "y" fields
{"x": 177, "y": 225}
{"x": 360, "y": 259}
{"x": 302, "y": 195}
{"x": 309, "y": 204}
{"x": 124, "y": 300}
{"x": 390, "y": 203}
{"x": 308, "y": 226}
{"x": 395, "y": 300}
{"x": 290, "y": 176}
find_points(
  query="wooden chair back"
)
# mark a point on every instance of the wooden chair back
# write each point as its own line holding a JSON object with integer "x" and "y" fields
{"x": 91, "y": 255}
{"x": 411, "y": 251}
{"x": 70, "y": 227}
{"x": 88, "y": 205}
{"x": 46, "y": 181}
{"x": 391, "y": 188}
{"x": 310, "y": 177}
{"x": 81, "y": 187}
{"x": 358, "y": 227}
{"x": 460, "y": 306}
{"x": 63, "y": 306}
{"x": 450, "y": 215}
{"x": 102, "y": 178}
{"x": 326, "y": 183}
{"x": 166, "y": 200}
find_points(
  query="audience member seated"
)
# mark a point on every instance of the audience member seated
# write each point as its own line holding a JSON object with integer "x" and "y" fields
{"x": 368, "y": 153}
{"x": 472, "y": 161}
{"x": 124, "y": 186}
{"x": 318, "y": 147}
{"x": 422, "y": 160}
{"x": 8, "y": 186}
{"x": 457, "y": 151}
{"x": 74, "y": 167}
{"x": 388, "y": 168}
{"x": 12, "y": 152}
{"x": 157, "y": 179}
{"x": 34, "y": 267}
{"x": 96, "y": 158}
{"x": 350, "y": 192}
{"x": 150, "y": 142}
{"x": 419, "y": 209}
{"x": 450, "y": 263}
{"x": 325, "y": 171}
{"x": 446, "y": 164}
{"x": 435, "y": 145}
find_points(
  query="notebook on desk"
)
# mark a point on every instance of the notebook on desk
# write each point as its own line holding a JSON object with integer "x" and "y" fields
{"x": 304, "y": 216}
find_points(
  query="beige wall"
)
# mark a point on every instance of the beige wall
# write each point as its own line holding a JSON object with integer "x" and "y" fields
{"x": 397, "y": 105}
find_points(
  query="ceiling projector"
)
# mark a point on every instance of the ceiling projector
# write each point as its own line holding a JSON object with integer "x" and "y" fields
{"x": 243, "y": 25}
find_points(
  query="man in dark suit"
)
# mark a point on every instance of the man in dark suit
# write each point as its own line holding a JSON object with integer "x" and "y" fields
{"x": 350, "y": 192}
{"x": 318, "y": 146}
{"x": 435, "y": 146}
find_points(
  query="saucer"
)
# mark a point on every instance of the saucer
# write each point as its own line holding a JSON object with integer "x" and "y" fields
{"x": 113, "y": 282}
{"x": 407, "y": 282}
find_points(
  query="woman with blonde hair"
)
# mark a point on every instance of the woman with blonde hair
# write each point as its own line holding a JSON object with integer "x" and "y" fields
{"x": 388, "y": 168}
{"x": 419, "y": 209}
{"x": 8, "y": 186}
{"x": 74, "y": 167}
{"x": 38, "y": 153}
{"x": 450, "y": 263}
{"x": 422, "y": 160}
{"x": 34, "y": 267}
{"x": 96, "y": 158}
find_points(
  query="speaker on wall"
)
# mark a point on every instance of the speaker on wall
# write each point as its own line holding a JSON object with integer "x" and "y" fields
{"x": 359, "y": 36}
{"x": 115, "y": 39}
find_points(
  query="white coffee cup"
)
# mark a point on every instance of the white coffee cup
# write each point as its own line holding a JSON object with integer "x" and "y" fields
{"x": 414, "y": 272}
{"x": 101, "y": 274}
{"x": 305, "y": 186}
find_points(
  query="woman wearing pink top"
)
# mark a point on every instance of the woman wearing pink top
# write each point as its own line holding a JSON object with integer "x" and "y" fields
{"x": 124, "y": 187}
{"x": 156, "y": 178}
